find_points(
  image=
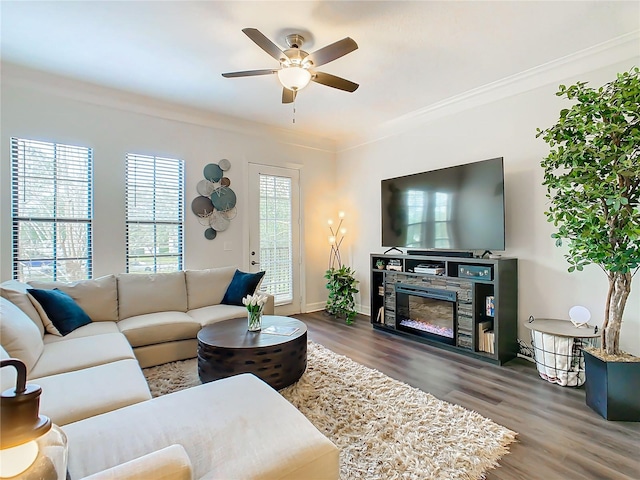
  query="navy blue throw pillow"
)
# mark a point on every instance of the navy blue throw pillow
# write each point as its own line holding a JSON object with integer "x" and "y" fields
{"x": 63, "y": 311}
{"x": 241, "y": 285}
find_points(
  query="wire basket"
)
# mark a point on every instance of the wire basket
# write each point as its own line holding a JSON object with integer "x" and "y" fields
{"x": 559, "y": 358}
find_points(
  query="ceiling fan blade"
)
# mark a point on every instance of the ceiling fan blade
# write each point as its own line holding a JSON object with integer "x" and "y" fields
{"x": 249, "y": 73}
{"x": 333, "y": 81}
{"x": 288, "y": 96}
{"x": 332, "y": 52}
{"x": 265, "y": 44}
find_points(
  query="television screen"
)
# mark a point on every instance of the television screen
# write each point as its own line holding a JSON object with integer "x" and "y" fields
{"x": 455, "y": 208}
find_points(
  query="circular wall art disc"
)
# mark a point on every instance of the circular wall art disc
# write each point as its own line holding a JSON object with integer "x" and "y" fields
{"x": 210, "y": 234}
{"x": 202, "y": 206}
{"x": 204, "y": 221}
{"x": 212, "y": 172}
{"x": 224, "y": 164}
{"x": 230, "y": 214}
{"x": 218, "y": 222}
{"x": 225, "y": 182}
{"x": 223, "y": 198}
{"x": 205, "y": 188}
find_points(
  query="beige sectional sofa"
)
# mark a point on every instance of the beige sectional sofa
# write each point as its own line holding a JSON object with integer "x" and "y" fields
{"x": 160, "y": 314}
{"x": 94, "y": 388}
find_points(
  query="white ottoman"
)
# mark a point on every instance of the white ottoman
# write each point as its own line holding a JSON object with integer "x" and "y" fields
{"x": 234, "y": 428}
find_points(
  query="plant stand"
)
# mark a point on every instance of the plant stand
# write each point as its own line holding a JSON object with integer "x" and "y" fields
{"x": 612, "y": 388}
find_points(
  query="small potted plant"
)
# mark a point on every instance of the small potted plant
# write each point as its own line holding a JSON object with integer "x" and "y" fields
{"x": 592, "y": 175}
{"x": 341, "y": 284}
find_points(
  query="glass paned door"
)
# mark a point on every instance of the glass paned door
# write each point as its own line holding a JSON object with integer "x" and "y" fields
{"x": 274, "y": 233}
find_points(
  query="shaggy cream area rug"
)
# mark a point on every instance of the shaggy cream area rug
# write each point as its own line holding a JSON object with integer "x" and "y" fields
{"x": 385, "y": 429}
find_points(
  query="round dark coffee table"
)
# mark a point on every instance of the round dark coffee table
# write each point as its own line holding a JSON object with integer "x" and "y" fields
{"x": 227, "y": 348}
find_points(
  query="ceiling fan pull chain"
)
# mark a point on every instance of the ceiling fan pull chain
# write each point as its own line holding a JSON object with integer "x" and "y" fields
{"x": 294, "y": 110}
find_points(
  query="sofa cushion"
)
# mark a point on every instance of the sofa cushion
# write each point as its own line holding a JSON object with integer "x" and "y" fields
{"x": 158, "y": 327}
{"x": 16, "y": 293}
{"x": 170, "y": 463}
{"x": 207, "y": 287}
{"x": 65, "y": 314}
{"x": 72, "y": 396}
{"x": 98, "y": 297}
{"x": 237, "y": 427}
{"x": 217, "y": 313}
{"x": 139, "y": 294}
{"x": 159, "y": 353}
{"x": 78, "y": 353}
{"x": 242, "y": 284}
{"x": 19, "y": 335}
{"x": 91, "y": 329}
{"x": 49, "y": 328}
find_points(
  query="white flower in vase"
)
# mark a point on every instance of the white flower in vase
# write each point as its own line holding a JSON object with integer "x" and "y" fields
{"x": 254, "y": 303}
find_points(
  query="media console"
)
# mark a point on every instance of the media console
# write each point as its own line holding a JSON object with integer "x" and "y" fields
{"x": 466, "y": 305}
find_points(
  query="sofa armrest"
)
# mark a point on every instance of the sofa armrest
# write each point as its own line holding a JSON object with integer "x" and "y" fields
{"x": 169, "y": 463}
{"x": 269, "y": 307}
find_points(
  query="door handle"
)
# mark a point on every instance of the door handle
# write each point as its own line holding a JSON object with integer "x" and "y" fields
{"x": 254, "y": 262}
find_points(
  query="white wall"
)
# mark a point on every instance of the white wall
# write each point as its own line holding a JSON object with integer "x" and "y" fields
{"x": 48, "y": 108}
{"x": 503, "y": 128}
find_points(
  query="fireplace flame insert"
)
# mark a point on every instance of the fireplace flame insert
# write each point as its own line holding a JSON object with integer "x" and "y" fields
{"x": 428, "y": 312}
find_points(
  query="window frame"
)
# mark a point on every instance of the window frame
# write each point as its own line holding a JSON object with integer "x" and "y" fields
{"x": 19, "y": 151}
{"x": 153, "y": 221}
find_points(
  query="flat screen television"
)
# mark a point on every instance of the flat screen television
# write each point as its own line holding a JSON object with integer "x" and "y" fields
{"x": 454, "y": 208}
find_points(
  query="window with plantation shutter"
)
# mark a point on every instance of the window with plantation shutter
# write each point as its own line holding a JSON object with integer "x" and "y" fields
{"x": 51, "y": 210}
{"x": 154, "y": 213}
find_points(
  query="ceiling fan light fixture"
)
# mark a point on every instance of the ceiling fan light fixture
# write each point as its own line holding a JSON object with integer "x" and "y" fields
{"x": 297, "y": 67}
{"x": 294, "y": 78}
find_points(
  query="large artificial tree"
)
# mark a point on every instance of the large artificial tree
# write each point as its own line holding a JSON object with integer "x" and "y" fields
{"x": 592, "y": 175}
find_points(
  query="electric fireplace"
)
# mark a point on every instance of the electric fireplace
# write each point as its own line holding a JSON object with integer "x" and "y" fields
{"x": 428, "y": 312}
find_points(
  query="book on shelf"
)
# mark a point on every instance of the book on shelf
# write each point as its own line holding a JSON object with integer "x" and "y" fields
{"x": 490, "y": 306}
{"x": 280, "y": 330}
{"x": 485, "y": 336}
{"x": 394, "y": 264}
{"x": 490, "y": 341}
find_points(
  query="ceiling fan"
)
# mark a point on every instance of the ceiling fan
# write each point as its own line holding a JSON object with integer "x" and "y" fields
{"x": 297, "y": 67}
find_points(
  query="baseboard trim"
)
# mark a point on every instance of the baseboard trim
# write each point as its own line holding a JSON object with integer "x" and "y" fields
{"x": 315, "y": 307}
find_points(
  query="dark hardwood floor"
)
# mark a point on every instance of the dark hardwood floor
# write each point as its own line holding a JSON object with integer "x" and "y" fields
{"x": 559, "y": 437}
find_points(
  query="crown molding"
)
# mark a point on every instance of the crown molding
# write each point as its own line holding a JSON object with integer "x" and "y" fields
{"x": 617, "y": 50}
{"x": 20, "y": 76}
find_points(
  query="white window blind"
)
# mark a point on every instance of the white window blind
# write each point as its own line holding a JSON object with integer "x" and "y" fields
{"x": 52, "y": 210}
{"x": 276, "y": 247}
{"x": 154, "y": 213}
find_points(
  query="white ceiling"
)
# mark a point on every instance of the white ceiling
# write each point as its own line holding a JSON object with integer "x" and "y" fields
{"x": 411, "y": 54}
